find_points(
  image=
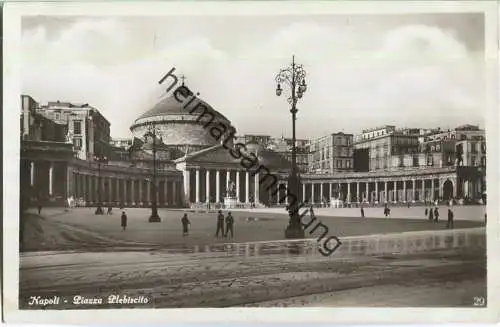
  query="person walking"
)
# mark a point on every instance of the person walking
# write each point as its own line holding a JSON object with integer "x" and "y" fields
{"x": 431, "y": 215}
{"x": 229, "y": 225}
{"x": 426, "y": 212}
{"x": 436, "y": 215}
{"x": 449, "y": 224}
{"x": 362, "y": 212}
{"x": 124, "y": 221}
{"x": 39, "y": 209}
{"x": 386, "y": 210}
{"x": 220, "y": 224}
{"x": 185, "y": 225}
{"x": 110, "y": 210}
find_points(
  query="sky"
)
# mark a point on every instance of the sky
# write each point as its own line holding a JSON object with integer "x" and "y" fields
{"x": 362, "y": 70}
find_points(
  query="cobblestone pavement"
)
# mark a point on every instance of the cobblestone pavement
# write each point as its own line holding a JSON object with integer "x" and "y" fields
{"x": 440, "y": 278}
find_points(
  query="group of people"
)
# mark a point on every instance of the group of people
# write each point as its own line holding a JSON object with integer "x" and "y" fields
{"x": 433, "y": 215}
{"x": 228, "y": 221}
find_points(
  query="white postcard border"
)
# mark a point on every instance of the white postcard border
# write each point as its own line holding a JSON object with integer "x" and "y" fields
{"x": 12, "y": 36}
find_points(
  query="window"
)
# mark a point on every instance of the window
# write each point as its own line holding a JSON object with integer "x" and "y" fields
{"x": 473, "y": 161}
{"x": 58, "y": 116}
{"x": 77, "y": 127}
{"x": 77, "y": 142}
{"x": 348, "y": 164}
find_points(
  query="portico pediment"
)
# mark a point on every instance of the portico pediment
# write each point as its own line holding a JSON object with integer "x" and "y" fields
{"x": 216, "y": 155}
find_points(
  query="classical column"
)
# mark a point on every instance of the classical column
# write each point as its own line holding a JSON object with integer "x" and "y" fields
{"x": 148, "y": 191}
{"x": 175, "y": 196}
{"x": 207, "y": 187}
{"x": 395, "y": 196}
{"x": 132, "y": 192}
{"x": 247, "y": 187}
{"x": 357, "y": 192}
{"x": 303, "y": 192}
{"x": 440, "y": 188}
{"x": 348, "y": 192}
{"x": 404, "y": 191}
{"x": 432, "y": 190}
{"x": 228, "y": 177}
{"x": 423, "y": 191}
{"x": 187, "y": 181}
{"x": 238, "y": 185}
{"x": 32, "y": 173}
{"x": 413, "y": 186}
{"x": 385, "y": 192}
{"x": 217, "y": 186}
{"x": 197, "y": 194}
{"x": 165, "y": 191}
{"x": 321, "y": 192}
{"x": 376, "y": 191}
{"x": 125, "y": 193}
{"x": 110, "y": 189}
{"x": 141, "y": 184}
{"x": 84, "y": 187}
{"x": 367, "y": 191}
{"x": 51, "y": 178}
{"x": 256, "y": 188}
{"x": 312, "y": 193}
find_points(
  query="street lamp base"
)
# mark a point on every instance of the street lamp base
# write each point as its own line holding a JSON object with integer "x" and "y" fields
{"x": 99, "y": 210}
{"x": 154, "y": 219}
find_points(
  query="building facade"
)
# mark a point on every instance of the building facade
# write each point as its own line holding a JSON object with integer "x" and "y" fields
{"x": 331, "y": 153}
{"x": 88, "y": 130}
{"x": 195, "y": 167}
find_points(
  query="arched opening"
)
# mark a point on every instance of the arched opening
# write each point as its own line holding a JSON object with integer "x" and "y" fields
{"x": 447, "y": 190}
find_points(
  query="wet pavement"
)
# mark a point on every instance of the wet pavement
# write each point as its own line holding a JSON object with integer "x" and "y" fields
{"x": 220, "y": 279}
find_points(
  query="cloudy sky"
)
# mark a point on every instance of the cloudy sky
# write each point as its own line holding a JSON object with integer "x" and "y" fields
{"x": 407, "y": 70}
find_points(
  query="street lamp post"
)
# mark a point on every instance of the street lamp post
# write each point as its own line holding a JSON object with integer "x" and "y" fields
{"x": 99, "y": 160}
{"x": 293, "y": 77}
{"x": 154, "y": 218}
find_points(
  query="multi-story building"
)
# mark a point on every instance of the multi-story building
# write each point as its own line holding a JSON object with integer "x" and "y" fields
{"x": 88, "y": 130}
{"x": 331, "y": 153}
{"x": 283, "y": 146}
{"x": 388, "y": 147}
{"x": 36, "y": 127}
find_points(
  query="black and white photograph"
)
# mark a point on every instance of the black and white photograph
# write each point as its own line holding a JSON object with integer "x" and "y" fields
{"x": 232, "y": 156}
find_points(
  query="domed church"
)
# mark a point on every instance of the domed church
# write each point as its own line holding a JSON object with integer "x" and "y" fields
{"x": 198, "y": 140}
{"x": 182, "y": 129}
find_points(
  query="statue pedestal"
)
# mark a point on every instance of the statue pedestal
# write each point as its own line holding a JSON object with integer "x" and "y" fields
{"x": 230, "y": 202}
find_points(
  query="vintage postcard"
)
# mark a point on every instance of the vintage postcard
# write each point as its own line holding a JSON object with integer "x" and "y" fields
{"x": 331, "y": 162}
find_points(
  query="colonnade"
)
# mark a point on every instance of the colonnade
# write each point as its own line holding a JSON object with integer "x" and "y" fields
{"x": 212, "y": 185}
{"x": 137, "y": 191}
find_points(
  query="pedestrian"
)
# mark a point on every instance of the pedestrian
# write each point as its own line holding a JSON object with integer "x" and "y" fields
{"x": 39, "y": 209}
{"x": 311, "y": 211}
{"x": 185, "y": 225}
{"x": 449, "y": 224}
{"x": 124, "y": 221}
{"x": 229, "y": 225}
{"x": 110, "y": 210}
{"x": 362, "y": 212}
{"x": 220, "y": 224}
{"x": 426, "y": 212}
{"x": 436, "y": 215}
{"x": 485, "y": 219}
{"x": 431, "y": 215}
{"x": 408, "y": 204}
{"x": 386, "y": 210}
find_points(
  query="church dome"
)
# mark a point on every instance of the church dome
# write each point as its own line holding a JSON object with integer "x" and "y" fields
{"x": 184, "y": 122}
{"x": 172, "y": 106}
